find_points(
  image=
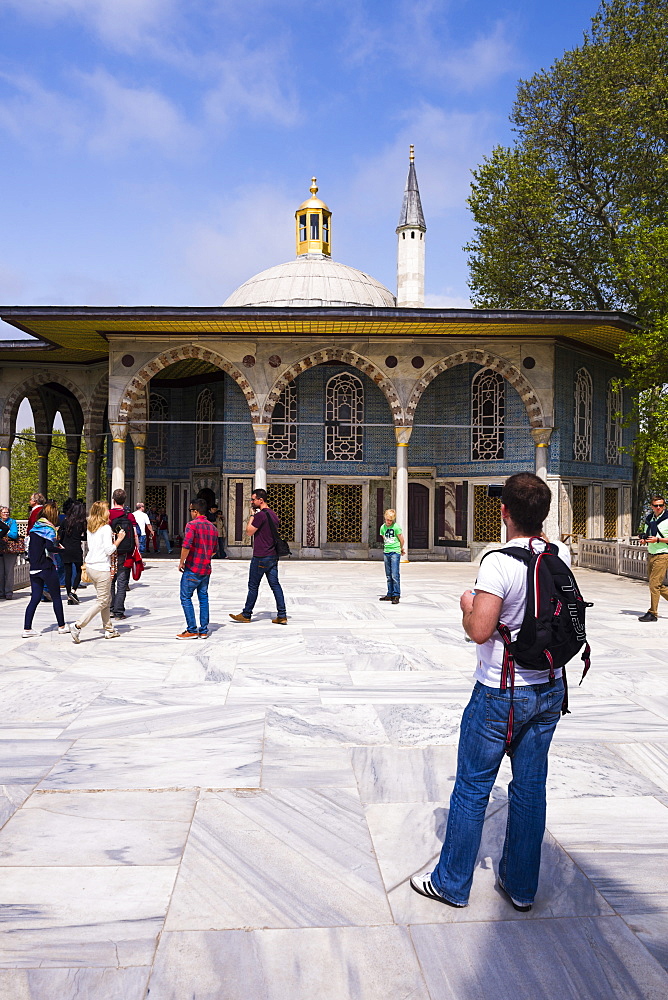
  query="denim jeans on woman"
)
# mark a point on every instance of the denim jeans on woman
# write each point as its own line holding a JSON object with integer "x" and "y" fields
{"x": 264, "y": 566}
{"x": 481, "y": 747}
{"x": 191, "y": 583}
{"x": 392, "y": 560}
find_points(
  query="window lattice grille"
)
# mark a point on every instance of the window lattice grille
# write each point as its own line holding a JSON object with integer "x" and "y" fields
{"x": 156, "y": 446}
{"x": 344, "y": 416}
{"x": 580, "y": 504}
{"x": 283, "y": 432}
{"x": 614, "y": 407}
{"x": 281, "y": 498}
{"x": 204, "y": 429}
{"x": 486, "y": 516}
{"x": 155, "y": 497}
{"x": 610, "y": 512}
{"x": 344, "y": 513}
{"x": 582, "y": 429}
{"x": 488, "y": 405}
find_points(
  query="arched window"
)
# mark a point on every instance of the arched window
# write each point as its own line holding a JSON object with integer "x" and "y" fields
{"x": 488, "y": 409}
{"x": 614, "y": 410}
{"x": 582, "y": 420}
{"x": 156, "y": 449}
{"x": 204, "y": 428}
{"x": 282, "y": 442}
{"x": 344, "y": 416}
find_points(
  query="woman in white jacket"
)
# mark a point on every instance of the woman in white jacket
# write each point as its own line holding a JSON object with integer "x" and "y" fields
{"x": 101, "y": 547}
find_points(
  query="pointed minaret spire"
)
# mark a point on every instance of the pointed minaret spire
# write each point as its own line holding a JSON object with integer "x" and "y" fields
{"x": 410, "y": 250}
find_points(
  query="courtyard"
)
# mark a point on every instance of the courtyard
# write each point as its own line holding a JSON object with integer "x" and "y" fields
{"x": 238, "y": 819}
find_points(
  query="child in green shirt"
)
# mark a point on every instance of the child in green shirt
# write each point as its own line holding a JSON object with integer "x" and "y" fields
{"x": 393, "y": 550}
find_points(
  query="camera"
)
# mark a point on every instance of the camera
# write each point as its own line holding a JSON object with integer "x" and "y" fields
{"x": 495, "y": 490}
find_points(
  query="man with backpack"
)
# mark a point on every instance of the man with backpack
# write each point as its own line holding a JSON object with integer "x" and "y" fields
{"x": 262, "y": 527}
{"x": 120, "y": 517}
{"x": 527, "y": 617}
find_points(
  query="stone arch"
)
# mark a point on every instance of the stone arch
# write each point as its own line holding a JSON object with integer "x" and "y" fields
{"x": 94, "y": 415}
{"x": 519, "y": 382}
{"x": 137, "y": 384}
{"x": 345, "y": 357}
{"x": 26, "y": 387}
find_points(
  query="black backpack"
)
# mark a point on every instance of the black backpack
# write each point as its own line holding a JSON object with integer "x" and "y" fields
{"x": 553, "y": 628}
{"x": 128, "y": 543}
{"x": 281, "y": 547}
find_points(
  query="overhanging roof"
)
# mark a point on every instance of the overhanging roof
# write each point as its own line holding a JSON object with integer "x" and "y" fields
{"x": 81, "y": 334}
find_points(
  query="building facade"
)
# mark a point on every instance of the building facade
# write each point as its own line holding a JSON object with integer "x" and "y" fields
{"x": 315, "y": 380}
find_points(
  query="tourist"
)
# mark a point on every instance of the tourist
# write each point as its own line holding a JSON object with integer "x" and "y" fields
{"x": 120, "y": 517}
{"x": 36, "y": 503}
{"x": 199, "y": 544}
{"x": 10, "y": 546}
{"x": 265, "y": 560}
{"x": 71, "y": 534}
{"x": 393, "y": 550}
{"x": 153, "y": 518}
{"x": 42, "y": 544}
{"x": 222, "y": 534}
{"x": 101, "y": 547}
{"x": 500, "y": 596}
{"x": 163, "y": 531}
{"x": 144, "y": 525}
{"x": 655, "y": 537}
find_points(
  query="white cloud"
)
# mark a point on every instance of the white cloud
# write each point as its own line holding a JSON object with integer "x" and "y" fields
{"x": 31, "y": 113}
{"x": 125, "y": 24}
{"x": 250, "y": 232}
{"x": 255, "y": 83}
{"x": 484, "y": 61}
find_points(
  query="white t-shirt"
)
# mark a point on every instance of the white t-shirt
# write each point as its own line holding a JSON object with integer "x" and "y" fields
{"x": 142, "y": 519}
{"x": 100, "y": 548}
{"x": 506, "y": 577}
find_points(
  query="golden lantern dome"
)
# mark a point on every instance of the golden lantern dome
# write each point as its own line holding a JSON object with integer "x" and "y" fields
{"x": 313, "y": 225}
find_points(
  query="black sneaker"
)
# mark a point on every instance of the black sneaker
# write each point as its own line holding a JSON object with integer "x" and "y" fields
{"x": 423, "y": 884}
{"x": 649, "y": 617}
{"x": 73, "y": 599}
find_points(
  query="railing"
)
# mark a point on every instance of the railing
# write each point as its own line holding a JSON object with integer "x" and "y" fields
{"x": 626, "y": 557}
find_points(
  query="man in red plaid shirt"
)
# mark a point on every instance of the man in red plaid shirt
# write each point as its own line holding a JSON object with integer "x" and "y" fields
{"x": 199, "y": 543}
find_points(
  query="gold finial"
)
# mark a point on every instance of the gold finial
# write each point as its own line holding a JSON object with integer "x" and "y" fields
{"x": 314, "y": 187}
{"x": 411, "y": 155}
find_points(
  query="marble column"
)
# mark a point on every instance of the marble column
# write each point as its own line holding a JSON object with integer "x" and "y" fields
{"x": 139, "y": 442}
{"x": 261, "y": 432}
{"x": 402, "y": 435}
{"x": 5, "y": 468}
{"x": 541, "y": 437}
{"x": 119, "y": 433}
{"x": 72, "y": 486}
{"x": 92, "y": 485}
{"x": 43, "y": 475}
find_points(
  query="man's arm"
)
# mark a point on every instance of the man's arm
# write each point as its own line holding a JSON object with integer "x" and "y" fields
{"x": 400, "y": 539}
{"x": 480, "y": 614}
{"x": 250, "y": 527}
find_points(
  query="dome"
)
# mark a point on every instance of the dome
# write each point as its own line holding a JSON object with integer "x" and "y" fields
{"x": 312, "y": 280}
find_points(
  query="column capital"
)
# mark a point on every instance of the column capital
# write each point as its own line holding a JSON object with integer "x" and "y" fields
{"x": 261, "y": 432}
{"x": 402, "y": 436}
{"x": 119, "y": 432}
{"x": 541, "y": 436}
{"x": 6, "y": 441}
{"x": 138, "y": 438}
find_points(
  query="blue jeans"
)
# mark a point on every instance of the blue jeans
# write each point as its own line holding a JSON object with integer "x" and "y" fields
{"x": 142, "y": 543}
{"x": 392, "y": 560}
{"x": 481, "y": 748}
{"x": 191, "y": 582}
{"x": 163, "y": 533}
{"x": 264, "y": 566}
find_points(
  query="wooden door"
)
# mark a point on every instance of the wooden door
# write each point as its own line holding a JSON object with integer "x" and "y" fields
{"x": 418, "y": 516}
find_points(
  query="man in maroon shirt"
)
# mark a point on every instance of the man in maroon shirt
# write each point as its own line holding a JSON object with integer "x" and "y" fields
{"x": 264, "y": 561}
{"x": 200, "y": 541}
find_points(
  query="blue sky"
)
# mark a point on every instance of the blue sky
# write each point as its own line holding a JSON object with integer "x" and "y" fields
{"x": 154, "y": 151}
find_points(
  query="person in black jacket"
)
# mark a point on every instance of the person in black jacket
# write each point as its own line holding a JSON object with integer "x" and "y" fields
{"x": 71, "y": 534}
{"x": 43, "y": 573}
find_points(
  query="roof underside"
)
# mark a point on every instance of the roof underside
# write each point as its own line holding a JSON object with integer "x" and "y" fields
{"x": 81, "y": 335}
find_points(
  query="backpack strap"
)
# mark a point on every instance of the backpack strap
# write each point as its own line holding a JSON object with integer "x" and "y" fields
{"x": 507, "y": 671}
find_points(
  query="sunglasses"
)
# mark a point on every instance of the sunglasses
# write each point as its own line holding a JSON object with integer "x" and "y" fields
{"x": 662, "y": 504}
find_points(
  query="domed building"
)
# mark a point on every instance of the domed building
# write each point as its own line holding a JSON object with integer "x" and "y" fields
{"x": 316, "y": 381}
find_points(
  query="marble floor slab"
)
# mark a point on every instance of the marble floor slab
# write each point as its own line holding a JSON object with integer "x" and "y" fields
{"x": 405, "y": 774}
{"x": 355, "y": 963}
{"x": 287, "y": 858}
{"x": 586, "y": 958}
{"x": 27, "y": 761}
{"x": 650, "y": 759}
{"x": 74, "y": 984}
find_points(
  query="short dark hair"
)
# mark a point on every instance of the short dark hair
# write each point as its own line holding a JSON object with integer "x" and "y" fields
{"x": 260, "y": 494}
{"x": 199, "y": 505}
{"x": 657, "y": 496}
{"x": 527, "y": 499}
{"x": 119, "y": 497}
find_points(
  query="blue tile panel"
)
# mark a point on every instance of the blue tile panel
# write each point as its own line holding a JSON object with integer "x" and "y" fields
{"x": 567, "y": 362}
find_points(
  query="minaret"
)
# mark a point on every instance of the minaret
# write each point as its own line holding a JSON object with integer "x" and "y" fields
{"x": 313, "y": 221}
{"x": 410, "y": 250}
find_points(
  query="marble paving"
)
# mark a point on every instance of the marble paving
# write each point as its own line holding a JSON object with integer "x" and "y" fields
{"x": 238, "y": 818}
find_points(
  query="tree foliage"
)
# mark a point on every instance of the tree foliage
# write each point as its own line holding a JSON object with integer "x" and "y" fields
{"x": 574, "y": 214}
{"x": 25, "y": 471}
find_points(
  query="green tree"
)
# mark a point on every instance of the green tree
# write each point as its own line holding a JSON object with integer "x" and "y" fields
{"x": 573, "y": 216}
{"x": 25, "y": 474}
